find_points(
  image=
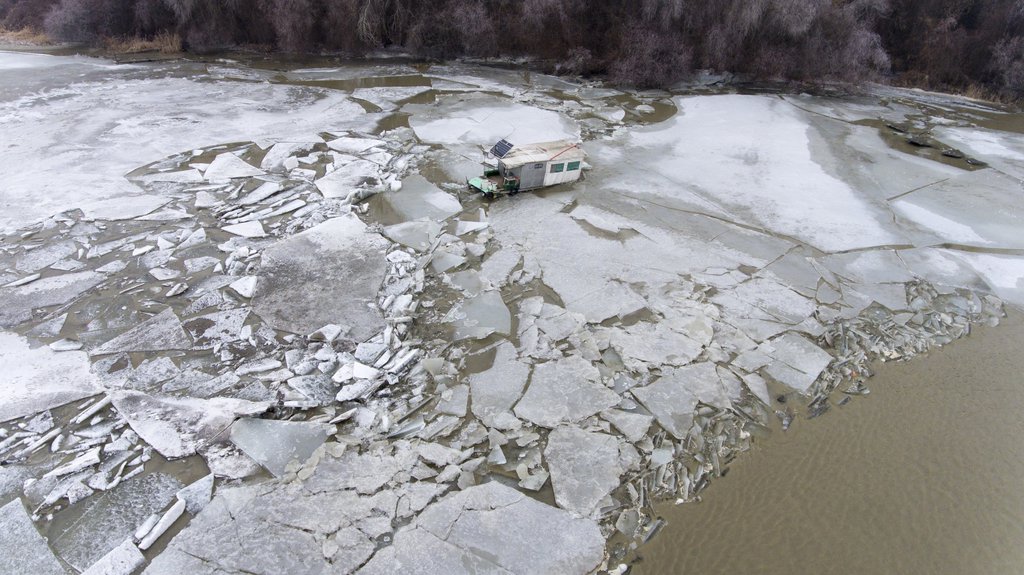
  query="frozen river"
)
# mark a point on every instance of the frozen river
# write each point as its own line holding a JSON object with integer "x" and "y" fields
{"x": 255, "y": 322}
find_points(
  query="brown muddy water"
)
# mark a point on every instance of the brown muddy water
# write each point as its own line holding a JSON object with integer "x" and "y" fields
{"x": 922, "y": 476}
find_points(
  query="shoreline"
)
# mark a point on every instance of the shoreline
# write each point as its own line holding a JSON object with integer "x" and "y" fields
{"x": 917, "y": 477}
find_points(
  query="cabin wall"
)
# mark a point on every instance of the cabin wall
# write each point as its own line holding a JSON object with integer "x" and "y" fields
{"x": 532, "y": 176}
{"x": 559, "y": 172}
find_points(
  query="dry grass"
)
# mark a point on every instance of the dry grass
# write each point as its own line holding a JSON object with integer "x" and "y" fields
{"x": 165, "y": 43}
{"x": 24, "y": 37}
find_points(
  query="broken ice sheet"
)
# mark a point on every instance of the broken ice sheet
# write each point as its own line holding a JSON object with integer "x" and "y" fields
{"x": 158, "y": 333}
{"x": 497, "y": 389}
{"x": 584, "y": 467}
{"x": 480, "y": 316}
{"x": 564, "y": 390}
{"x": 274, "y": 444}
{"x": 179, "y": 427}
{"x": 352, "y": 177}
{"x": 340, "y": 267}
{"x": 275, "y": 158}
{"x": 492, "y": 528}
{"x": 124, "y": 559}
{"x": 54, "y": 290}
{"x": 228, "y": 166}
{"x": 657, "y": 344}
{"x": 673, "y": 398}
{"x": 798, "y": 362}
{"x": 22, "y": 548}
{"x": 38, "y": 379}
{"x": 417, "y": 235}
{"x": 113, "y": 516}
{"x": 419, "y": 199}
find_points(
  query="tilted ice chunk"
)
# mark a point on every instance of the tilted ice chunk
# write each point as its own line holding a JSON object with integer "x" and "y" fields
{"x": 158, "y": 333}
{"x": 480, "y": 316}
{"x": 252, "y": 229}
{"x": 178, "y": 427}
{"x": 228, "y": 166}
{"x": 632, "y": 425}
{"x": 418, "y": 235}
{"x": 341, "y": 267}
{"x": 350, "y": 145}
{"x": 798, "y": 362}
{"x": 19, "y": 301}
{"x": 278, "y": 153}
{"x": 198, "y": 494}
{"x": 499, "y": 265}
{"x": 245, "y": 286}
{"x": 497, "y": 389}
{"x": 274, "y": 444}
{"x": 672, "y": 398}
{"x": 565, "y": 390}
{"x": 189, "y": 176}
{"x": 492, "y": 528}
{"x": 38, "y": 379}
{"x": 22, "y": 548}
{"x": 584, "y": 467}
{"x": 350, "y": 178}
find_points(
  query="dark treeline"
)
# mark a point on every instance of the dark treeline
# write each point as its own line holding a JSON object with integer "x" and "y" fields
{"x": 956, "y": 44}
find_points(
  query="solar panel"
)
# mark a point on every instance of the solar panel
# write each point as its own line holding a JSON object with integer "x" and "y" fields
{"x": 501, "y": 148}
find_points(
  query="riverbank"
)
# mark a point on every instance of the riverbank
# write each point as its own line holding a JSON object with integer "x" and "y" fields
{"x": 920, "y": 476}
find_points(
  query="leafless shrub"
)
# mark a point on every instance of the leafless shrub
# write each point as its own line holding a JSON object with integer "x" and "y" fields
{"x": 1009, "y": 63}
{"x": 21, "y": 14}
{"x": 294, "y": 22}
{"x": 649, "y": 59}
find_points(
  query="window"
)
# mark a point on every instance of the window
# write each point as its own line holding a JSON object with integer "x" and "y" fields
{"x": 573, "y": 166}
{"x": 557, "y": 168}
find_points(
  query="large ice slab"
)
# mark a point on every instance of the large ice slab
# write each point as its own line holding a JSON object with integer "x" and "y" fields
{"x": 565, "y": 390}
{"x": 328, "y": 274}
{"x": 227, "y": 166}
{"x": 753, "y": 158}
{"x": 418, "y": 199}
{"x": 274, "y": 444}
{"x": 480, "y": 316}
{"x": 159, "y": 333}
{"x": 492, "y": 528}
{"x": 18, "y": 302}
{"x": 673, "y": 398}
{"x": 179, "y": 427}
{"x": 38, "y": 379}
{"x": 483, "y": 119}
{"x": 22, "y": 548}
{"x": 982, "y": 208}
{"x": 798, "y": 362}
{"x": 584, "y": 467}
{"x": 112, "y": 517}
{"x": 497, "y": 389}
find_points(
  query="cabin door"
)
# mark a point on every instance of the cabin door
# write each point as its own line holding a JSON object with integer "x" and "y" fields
{"x": 533, "y": 176}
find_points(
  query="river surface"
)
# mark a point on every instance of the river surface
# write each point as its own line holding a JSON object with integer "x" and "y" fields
{"x": 263, "y": 287}
{"x": 922, "y": 476}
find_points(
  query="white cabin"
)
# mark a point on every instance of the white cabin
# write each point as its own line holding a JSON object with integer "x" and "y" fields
{"x": 540, "y": 165}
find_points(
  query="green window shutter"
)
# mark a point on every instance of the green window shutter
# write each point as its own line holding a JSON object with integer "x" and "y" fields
{"x": 557, "y": 168}
{"x": 573, "y": 166}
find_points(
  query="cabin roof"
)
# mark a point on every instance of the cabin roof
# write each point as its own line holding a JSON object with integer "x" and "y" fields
{"x": 543, "y": 152}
